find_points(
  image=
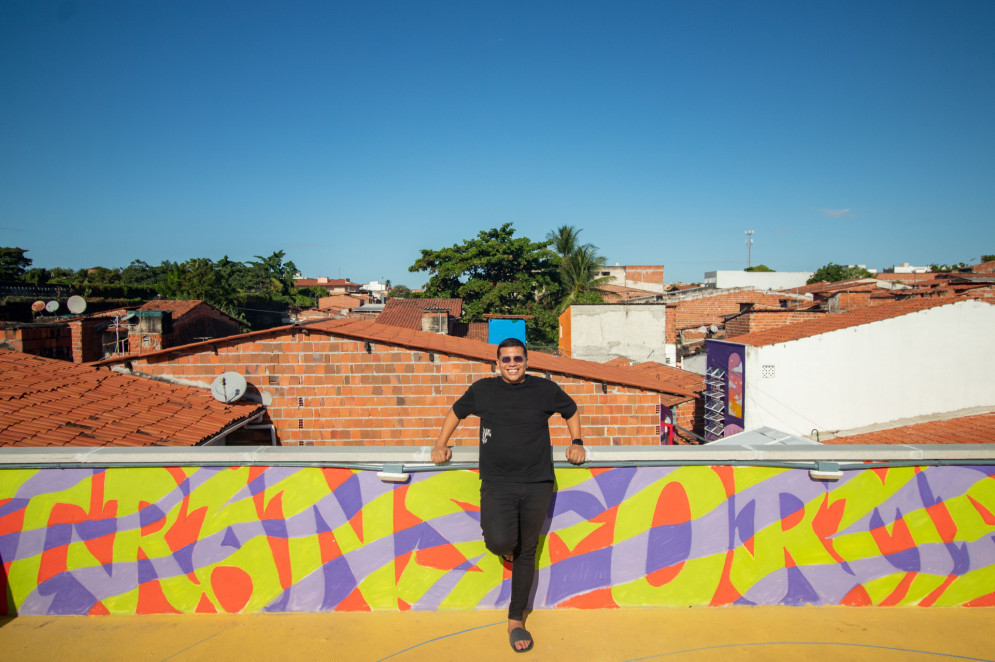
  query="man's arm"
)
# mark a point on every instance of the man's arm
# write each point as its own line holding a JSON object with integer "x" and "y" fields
{"x": 575, "y": 452}
{"x": 441, "y": 453}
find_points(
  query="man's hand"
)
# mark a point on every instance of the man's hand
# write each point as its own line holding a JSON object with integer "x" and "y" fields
{"x": 576, "y": 454}
{"x": 441, "y": 454}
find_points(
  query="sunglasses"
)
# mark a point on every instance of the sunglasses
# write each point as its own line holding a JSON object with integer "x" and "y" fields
{"x": 517, "y": 359}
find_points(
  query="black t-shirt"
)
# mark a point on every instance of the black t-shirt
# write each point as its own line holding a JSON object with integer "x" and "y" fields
{"x": 514, "y": 426}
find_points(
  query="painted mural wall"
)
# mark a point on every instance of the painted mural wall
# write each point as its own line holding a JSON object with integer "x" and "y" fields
{"x": 725, "y": 374}
{"x": 256, "y": 539}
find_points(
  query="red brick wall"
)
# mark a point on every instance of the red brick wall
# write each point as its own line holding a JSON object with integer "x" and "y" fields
{"x": 54, "y": 342}
{"x": 690, "y": 416}
{"x": 984, "y": 293}
{"x": 760, "y": 320}
{"x": 844, "y": 301}
{"x": 139, "y": 343}
{"x": 203, "y": 321}
{"x": 704, "y": 311}
{"x": 341, "y": 302}
{"x": 86, "y": 341}
{"x": 645, "y": 274}
{"x": 331, "y": 391}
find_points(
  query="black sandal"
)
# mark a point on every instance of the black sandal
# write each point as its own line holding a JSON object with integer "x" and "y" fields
{"x": 520, "y": 634}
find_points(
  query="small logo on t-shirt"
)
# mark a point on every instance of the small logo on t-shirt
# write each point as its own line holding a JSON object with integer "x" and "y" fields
{"x": 484, "y": 434}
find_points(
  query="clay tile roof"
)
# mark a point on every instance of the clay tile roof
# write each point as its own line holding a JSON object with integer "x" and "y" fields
{"x": 976, "y": 429}
{"x": 473, "y": 330}
{"x": 835, "y": 322}
{"x": 374, "y": 331}
{"x": 46, "y": 402}
{"x": 826, "y": 286}
{"x": 619, "y": 293}
{"x": 407, "y": 313}
{"x": 666, "y": 382}
{"x": 177, "y": 308}
{"x": 326, "y": 283}
{"x": 671, "y": 375}
{"x": 344, "y": 301}
{"x": 917, "y": 278}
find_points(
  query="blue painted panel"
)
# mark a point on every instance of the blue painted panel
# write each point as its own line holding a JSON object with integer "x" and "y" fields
{"x": 498, "y": 330}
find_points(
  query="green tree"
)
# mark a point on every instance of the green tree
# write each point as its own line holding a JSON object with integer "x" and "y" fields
{"x": 237, "y": 275}
{"x": 271, "y": 274}
{"x": 193, "y": 279}
{"x": 580, "y": 277}
{"x": 38, "y": 276}
{"x": 13, "y": 264}
{"x": 943, "y": 268}
{"x": 759, "y": 267}
{"x": 833, "y": 273}
{"x": 226, "y": 284}
{"x": 102, "y": 276}
{"x": 63, "y": 276}
{"x": 564, "y": 240}
{"x": 200, "y": 278}
{"x": 579, "y": 268}
{"x": 399, "y": 292}
{"x": 496, "y": 273}
{"x": 141, "y": 273}
{"x": 988, "y": 258}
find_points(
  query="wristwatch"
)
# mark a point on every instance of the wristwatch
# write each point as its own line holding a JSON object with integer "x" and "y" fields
{"x": 577, "y": 442}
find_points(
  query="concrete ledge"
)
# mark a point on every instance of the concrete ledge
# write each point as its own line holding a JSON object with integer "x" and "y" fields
{"x": 421, "y": 455}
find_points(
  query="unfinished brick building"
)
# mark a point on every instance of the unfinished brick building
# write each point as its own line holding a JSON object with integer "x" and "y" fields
{"x": 357, "y": 382}
{"x": 155, "y": 325}
{"x": 51, "y": 340}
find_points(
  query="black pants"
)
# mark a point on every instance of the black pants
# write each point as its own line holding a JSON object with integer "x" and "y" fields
{"x": 511, "y": 519}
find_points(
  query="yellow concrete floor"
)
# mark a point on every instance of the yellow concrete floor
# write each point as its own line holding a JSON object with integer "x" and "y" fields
{"x": 730, "y": 634}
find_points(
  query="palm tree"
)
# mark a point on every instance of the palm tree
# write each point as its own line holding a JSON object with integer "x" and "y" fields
{"x": 564, "y": 239}
{"x": 579, "y": 269}
{"x": 580, "y": 275}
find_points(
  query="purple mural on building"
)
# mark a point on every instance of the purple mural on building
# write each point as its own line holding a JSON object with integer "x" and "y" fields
{"x": 725, "y": 394}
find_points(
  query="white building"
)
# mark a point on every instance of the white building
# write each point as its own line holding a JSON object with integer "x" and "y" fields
{"x": 601, "y": 332}
{"x": 376, "y": 290}
{"x": 761, "y": 280}
{"x": 906, "y": 268}
{"x": 846, "y": 371}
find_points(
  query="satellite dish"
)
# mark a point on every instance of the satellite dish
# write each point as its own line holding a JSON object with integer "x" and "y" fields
{"x": 76, "y": 304}
{"x": 129, "y": 315}
{"x": 713, "y": 328}
{"x": 38, "y": 306}
{"x": 228, "y": 387}
{"x": 52, "y": 306}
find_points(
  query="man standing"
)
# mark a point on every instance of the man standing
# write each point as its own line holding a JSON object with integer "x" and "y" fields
{"x": 516, "y": 465}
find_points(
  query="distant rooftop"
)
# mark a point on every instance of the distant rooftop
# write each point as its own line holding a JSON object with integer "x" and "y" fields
{"x": 407, "y": 313}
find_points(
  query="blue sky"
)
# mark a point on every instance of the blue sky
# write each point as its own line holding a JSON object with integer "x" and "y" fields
{"x": 353, "y": 134}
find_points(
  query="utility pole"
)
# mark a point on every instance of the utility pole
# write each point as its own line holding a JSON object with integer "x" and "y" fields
{"x": 749, "y": 245}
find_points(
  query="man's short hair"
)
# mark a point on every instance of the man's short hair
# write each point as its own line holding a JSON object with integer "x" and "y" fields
{"x": 512, "y": 342}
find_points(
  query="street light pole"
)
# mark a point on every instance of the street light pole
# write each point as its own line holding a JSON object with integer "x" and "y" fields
{"x": 749, "y": 245}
